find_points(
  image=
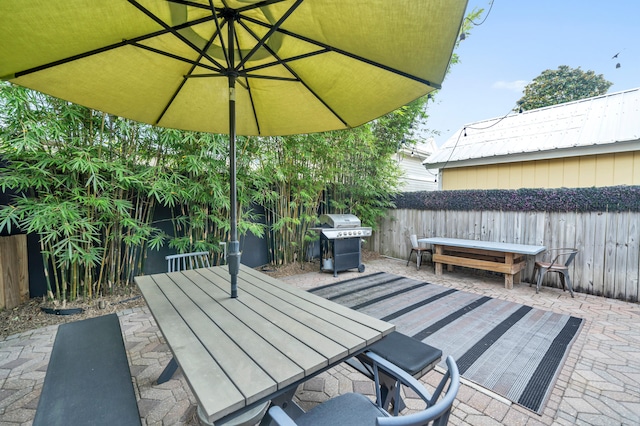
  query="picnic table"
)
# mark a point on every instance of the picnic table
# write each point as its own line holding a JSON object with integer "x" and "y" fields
{"x": 238, "y": 353}
{"x": 506, "y": 258}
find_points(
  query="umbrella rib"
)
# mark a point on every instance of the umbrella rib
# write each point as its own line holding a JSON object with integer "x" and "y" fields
{"x": 272, "y": 28}
{"x": 189, "y": 73}
{"x": 176, "y": 33}
{"x": 247, "y": 86}
{"x": 190, "y": 3}
{"x": 173, "y": 97}
{"x": 176, "y": 57}
{"x": 278, "y": 61}
{"x": 284, "y": 61}
{"x": 242, "y": 9}
{"x": 345, "y": 53}
{"x": 297, "y": 78}
{"x": 109, "y": 47}
{"x": 245, "y": 75}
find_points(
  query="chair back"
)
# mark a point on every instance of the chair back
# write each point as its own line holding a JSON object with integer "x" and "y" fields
{"x": 414, "y": 240}
{"x": 563, "y": 256}
{"x": 439, "y": 404}
{"x": 179, "y": 262}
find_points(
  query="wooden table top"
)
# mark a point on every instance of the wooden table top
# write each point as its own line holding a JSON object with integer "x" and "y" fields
{"x": 244, "y": 351}
{"x": 485, "y": 245}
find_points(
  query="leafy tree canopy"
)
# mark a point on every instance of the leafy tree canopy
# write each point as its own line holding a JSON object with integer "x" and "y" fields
{"x": 565, "y": 84}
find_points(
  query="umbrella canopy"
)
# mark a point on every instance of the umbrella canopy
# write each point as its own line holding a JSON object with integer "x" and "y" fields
{"x": 270, "y": 67}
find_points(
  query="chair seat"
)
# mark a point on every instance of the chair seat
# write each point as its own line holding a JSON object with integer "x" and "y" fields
{"x": 547, "y": 265}
{"x": 351, "y": 409}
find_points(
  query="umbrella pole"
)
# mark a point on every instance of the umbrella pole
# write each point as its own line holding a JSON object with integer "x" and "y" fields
{"x": 233, "y": 258}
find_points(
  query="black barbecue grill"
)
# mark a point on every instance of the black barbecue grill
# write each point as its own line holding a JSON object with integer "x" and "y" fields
{"x": 340, "y": 238}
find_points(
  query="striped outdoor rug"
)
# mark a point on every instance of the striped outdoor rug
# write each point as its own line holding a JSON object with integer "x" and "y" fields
{"x": 514, "y": 350}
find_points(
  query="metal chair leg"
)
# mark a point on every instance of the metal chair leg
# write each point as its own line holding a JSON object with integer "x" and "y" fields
{"x": 568, "y": 282}
{"x": 533, "y": 276}
{"x": 409, "y": 260}
{"x": 541, "y": 273}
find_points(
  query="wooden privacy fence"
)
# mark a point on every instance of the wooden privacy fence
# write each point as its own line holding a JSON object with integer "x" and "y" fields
{"x": 607, "y": 263}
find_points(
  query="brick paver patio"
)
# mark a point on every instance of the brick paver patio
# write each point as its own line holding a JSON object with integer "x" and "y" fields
{"x": 599, "y": 383}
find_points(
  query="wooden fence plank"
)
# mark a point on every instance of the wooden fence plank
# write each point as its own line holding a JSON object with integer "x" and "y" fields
{"x": 599, "y": 237}
{"x": 621, "y": 246}
{"x": 14, "y": 271}
{"x": 632, "y": 279}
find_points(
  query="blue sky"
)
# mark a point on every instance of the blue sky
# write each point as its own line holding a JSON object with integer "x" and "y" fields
{"x": 520, "y": 39}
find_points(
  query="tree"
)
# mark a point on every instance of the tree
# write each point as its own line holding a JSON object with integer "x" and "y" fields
{"x": 565, "y": 84}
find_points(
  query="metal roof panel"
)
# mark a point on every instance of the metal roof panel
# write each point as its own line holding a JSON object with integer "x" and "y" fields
{"x": 554, "y": 130}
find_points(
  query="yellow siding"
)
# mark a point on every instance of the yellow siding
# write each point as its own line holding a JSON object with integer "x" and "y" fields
{"x": 571, "y": 172}
{"x": 574, "y": 172}
{"x": 481, "y": 177}
{"x": 557, "y": 170}
{"x": 587, "y": 171}
{"x": 515, "y": 176}
{"x": 623, "y": 170}
{"x": 528, "y": 175}
{"x": 541, "y": 174}
{"x": 493, "y": 179}
{"x": 503, "y": 174}
{"x": 605, "y": 167}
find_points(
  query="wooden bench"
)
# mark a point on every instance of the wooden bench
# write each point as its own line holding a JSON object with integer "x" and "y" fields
{"x": 411, "y": 355}
{"x": 88, "y": 380}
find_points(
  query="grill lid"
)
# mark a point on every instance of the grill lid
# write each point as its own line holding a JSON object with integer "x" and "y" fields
{"x": 340, "y": 220}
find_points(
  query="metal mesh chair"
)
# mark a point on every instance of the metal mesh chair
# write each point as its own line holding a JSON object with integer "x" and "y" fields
{"x": 418, "y": 250}
{"x": 354, "y": 409}
{"x": 179, "y": 262}
{"x": 555, "y": 260}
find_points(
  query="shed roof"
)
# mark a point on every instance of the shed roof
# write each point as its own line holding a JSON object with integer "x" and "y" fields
{"x": 602, "y": 124}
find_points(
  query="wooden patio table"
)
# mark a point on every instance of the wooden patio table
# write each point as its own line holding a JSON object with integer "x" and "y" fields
{"x": 506, "y": 258}
{"x": 236, "y": 354}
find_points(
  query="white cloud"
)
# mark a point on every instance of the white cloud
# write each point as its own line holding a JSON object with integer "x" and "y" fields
{"x": 516, "y": 86}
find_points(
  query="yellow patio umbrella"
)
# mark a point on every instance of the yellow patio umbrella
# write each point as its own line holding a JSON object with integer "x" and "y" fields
{"x": 270, "y": 67}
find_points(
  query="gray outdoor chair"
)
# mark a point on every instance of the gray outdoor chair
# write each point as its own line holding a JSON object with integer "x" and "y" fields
{"x": 354, "y": 409}
{"x": 179, "y": 262}
{"x": 555, "y": 260}
{"x": 418, "y": 250}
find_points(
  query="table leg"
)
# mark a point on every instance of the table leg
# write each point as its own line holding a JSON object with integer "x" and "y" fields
{"x": 168, "y": 371}
{"x": 508, "y": 278}
{"x": 508, "y": 281}
{"x": 438, "y": 265}
{"x": 388, "y": 387}
{"x": 286, "y": 402}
